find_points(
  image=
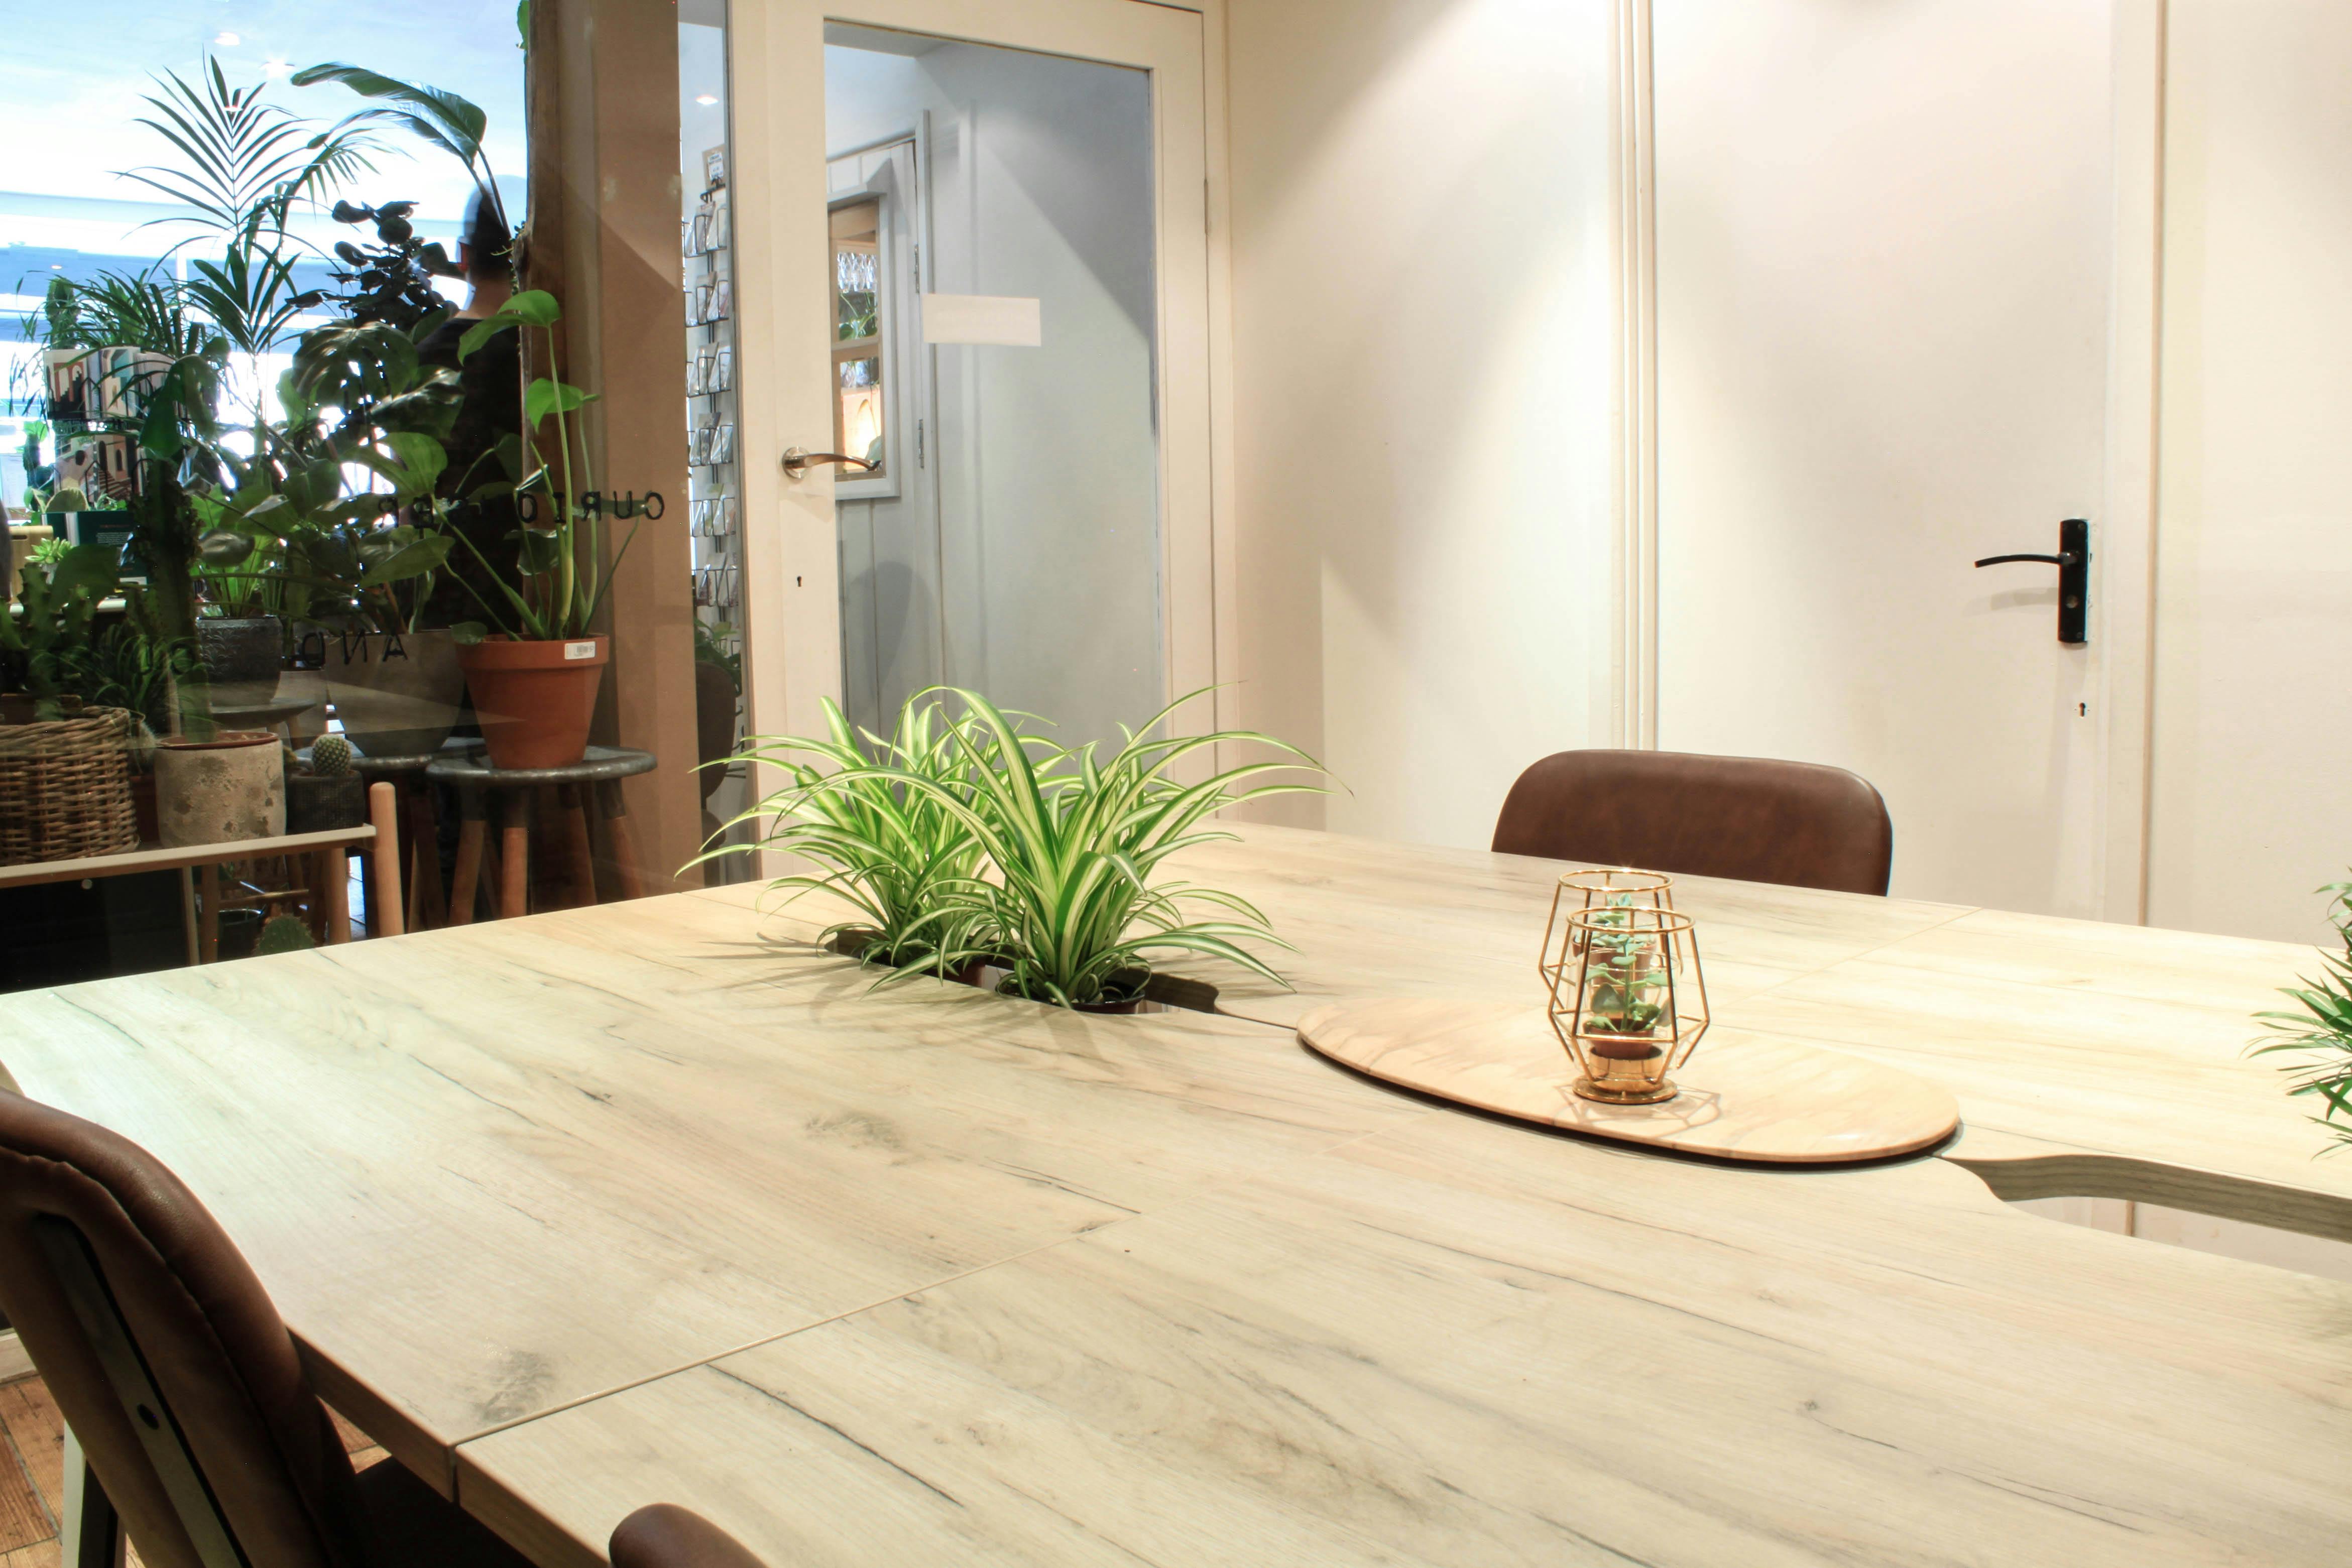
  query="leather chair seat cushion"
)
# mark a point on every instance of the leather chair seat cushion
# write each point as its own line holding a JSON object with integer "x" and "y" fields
{"x": 413, "y": 1526}
{"x": 664, "y": 1535}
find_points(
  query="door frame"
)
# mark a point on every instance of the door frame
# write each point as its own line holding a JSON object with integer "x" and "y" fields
{"x": 791, "y": 561}
{"x": 2123, "y": 584}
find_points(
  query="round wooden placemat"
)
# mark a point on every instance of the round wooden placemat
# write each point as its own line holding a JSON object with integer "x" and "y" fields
{"x": 1744, "y": 1096}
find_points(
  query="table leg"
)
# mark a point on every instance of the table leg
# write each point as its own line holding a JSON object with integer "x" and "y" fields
{"x": 335, "y": 893}
{"x": 384, "y": 855}
{"x": 91, "y": 1532}
{"x": 573, "y": 813}
{"x": 470, "y": 857}
{"x": 188, "y": 914}
{"x": 208, "y": 917}
{"x": 614, "y": 810}
{"x": 424, "y": 906}
{"x": 514, "y": 854}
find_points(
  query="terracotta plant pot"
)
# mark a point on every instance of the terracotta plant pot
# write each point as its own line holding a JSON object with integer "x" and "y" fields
{"x": 397, "y": 693}
{"x": 534, "y": 699}
{"x": 217, "y": 791}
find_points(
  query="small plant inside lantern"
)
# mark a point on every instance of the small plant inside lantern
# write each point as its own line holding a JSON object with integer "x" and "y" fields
{"x": 1628, "y": 995}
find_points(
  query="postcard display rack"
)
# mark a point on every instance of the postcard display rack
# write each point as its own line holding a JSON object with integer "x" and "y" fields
{"x": 714, "y": 488}
{"x": 98, "y": 401}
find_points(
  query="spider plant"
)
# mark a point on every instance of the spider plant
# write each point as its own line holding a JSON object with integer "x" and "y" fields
{"x": 1075, "y": 841}
{"x": 2322, "y": 1025}
{"x": 894, "y": 850}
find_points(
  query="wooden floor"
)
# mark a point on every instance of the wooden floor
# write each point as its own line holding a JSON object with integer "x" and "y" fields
{"x": 32, "y": 1473}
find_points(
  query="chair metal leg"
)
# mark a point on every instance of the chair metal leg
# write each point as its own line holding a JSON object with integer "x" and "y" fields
{"x": 90, "y": 1534}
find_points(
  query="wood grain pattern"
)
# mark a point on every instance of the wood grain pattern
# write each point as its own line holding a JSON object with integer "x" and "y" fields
{"x": 1744, "y": 1097}
{"x": 1461, "y": 1342}
{"x": 2119, "y": 1045}
{"x": 487, "y": 1172}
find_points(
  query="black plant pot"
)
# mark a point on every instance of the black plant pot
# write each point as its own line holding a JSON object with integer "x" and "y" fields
{"x": 241, "y": 650}
{"x": 316, "y": 805}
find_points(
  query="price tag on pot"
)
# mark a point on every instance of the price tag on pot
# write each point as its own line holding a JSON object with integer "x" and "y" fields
{"x": 579, "y": 650}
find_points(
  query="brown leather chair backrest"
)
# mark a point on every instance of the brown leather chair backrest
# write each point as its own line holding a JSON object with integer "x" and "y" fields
{"x": 1795, "y": 823}
{"x": 165, "y": 1355}
{"x": 664, "y": 1535}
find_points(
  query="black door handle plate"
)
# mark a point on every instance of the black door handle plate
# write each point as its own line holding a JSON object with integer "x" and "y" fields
{"x": 2073, "y": 563}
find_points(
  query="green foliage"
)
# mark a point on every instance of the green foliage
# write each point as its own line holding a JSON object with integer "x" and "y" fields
{"x": 331, "y": 756}
{"x": 245, "y": 162}
{"x": 1071, "y": 841}
{"x": 897, "y": 854}
{"x": 715, "y": 642}
{"x": 438, "y": 116}
{"x": 59, "y": 607}
{"x": 2322, "y": 1025}
{"x": 392, "y": 280}
{"x": 561, "y": 577}
{"x": 50, "y": 552}
{"x": 1075, "y": 841}
{"x": 1627, "y": 981}
{"x": 283, "y": 934}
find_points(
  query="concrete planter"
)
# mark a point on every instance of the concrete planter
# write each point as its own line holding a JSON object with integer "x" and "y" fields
{"x": 218, "y": 791}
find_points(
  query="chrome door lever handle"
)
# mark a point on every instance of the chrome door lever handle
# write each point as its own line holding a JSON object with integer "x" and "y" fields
{"x": 798, "y": 461}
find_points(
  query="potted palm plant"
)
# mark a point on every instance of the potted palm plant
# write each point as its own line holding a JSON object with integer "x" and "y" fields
{"x": 535, "y": 671}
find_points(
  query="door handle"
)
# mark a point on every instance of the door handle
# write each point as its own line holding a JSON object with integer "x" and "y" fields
{"x": 2073, "y": 563}
{"x": 798, "y": 461}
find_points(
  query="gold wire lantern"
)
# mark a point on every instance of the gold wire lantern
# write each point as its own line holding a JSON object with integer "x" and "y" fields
{"x": 1628, "y": 993}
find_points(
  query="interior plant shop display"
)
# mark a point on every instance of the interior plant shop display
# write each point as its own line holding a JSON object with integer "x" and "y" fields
{"x": 965, "y": 844}
{"x": 203, "y": 519}
{"x": 535, "y": 671}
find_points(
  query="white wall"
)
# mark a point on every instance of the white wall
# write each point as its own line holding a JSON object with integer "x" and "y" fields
{"x": 2252, "y": 755}
{"x": 1422, "y": 349}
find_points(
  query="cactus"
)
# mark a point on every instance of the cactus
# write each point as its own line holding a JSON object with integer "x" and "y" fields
{"x": 331, "y": 756}
{"x": 283, "y": 934}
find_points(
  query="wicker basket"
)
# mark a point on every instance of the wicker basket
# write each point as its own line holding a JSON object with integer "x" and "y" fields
{"x": 65, "y": 787}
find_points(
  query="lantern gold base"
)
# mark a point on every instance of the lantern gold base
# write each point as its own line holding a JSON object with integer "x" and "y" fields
{"x": 1625, "y": 1095}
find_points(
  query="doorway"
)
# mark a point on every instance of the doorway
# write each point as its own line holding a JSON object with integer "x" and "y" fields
{"x": 975, "y": 299}
{"x": 991, "y": 218}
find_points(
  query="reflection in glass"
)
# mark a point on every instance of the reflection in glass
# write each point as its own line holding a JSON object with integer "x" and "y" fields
{"x": 857, "y": 328}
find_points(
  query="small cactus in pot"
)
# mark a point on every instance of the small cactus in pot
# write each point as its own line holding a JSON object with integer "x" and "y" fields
{"x": 329, "y": 793}
{"x": 331, "y": 756}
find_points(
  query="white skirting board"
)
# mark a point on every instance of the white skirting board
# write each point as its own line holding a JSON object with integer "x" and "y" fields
{"x": 14, "y": 1363}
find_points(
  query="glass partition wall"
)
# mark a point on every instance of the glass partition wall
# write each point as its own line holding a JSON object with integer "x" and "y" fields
{"x": 308, "y": 443}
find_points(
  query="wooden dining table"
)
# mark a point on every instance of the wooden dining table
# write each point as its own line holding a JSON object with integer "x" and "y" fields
{"x": 655, "y": 1202}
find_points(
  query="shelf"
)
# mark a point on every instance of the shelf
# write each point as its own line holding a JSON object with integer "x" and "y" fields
{"x": 155, "y": 857}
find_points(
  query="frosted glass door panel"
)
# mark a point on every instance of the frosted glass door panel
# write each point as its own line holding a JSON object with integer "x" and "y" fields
{"x": 1021, "y": 552}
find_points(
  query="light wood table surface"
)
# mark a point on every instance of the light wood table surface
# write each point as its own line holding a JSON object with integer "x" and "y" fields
{"x": 2090, "y": 1060}
{"x": 621, "y": 1205}
{"x": 490, "y": 1171}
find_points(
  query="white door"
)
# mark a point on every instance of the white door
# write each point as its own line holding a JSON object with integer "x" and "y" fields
{"x": 973, "y": 249}
{"x": 1884, "y": 243}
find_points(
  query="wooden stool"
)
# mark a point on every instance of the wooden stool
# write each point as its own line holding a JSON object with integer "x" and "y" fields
{"x": 471, "y": 775}
{"x": 420, "y": 829}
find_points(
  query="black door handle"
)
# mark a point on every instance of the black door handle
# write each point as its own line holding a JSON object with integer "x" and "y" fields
{"x": 2073, "y": 563}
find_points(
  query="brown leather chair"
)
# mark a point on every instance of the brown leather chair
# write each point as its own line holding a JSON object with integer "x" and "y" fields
{"x": 171, "y": 1365}
{"x": 1795, "y": 823}
{"x": 664, "y": 1535}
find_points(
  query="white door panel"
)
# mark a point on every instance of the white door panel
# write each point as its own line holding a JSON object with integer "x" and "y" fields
{"x": 1885, "y": 244}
